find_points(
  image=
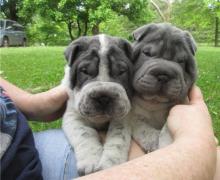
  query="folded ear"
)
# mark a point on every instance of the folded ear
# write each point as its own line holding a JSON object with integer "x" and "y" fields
{"x": 191, "y": 42}
{"x": 126, "y": 47}
{"x": 72, "y": 51}
{"x": 139, "y": 33}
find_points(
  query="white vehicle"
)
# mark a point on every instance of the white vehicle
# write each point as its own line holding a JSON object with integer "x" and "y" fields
{"x": 12, "y": 33}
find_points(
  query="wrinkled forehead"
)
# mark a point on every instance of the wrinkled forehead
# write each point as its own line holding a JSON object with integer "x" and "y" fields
{"x": 162, "y": 43}
{"x": 102, "y": 44}
{"x": 101, "y": 58}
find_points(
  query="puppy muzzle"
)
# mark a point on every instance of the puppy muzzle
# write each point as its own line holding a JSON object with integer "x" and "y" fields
{"x": 160, "y": 77}
{"x": 102, "y": 101}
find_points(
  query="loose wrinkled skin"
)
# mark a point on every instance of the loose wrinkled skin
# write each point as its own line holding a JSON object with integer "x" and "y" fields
{"x": 98, "y": 80}
{"x": 176, "y": 153}
{"x": 165, "y": 70}
{"x": 192, "y": 155}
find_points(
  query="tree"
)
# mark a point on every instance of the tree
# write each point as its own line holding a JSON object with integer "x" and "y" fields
{"x": 85, "y": 16}
{"x": 75, "y": 13}
{"x": 81, "y": 17}
{"x": 196, "y": 17}
{"x": 133, "y": 10}
{"x": 214, "y": 6}
{"x": 163, "y": 8}
{"x": 10, "y": 8}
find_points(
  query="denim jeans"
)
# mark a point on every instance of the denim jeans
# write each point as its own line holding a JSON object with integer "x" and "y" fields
{"x": 56, "y": 155}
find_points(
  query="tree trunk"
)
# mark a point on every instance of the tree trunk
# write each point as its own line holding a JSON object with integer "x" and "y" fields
{"x": 169, "y": 10}
{"x": 79, "y": 28}
{"x": 69, "y": 26}
{"x": 86, "y": 27}
{"x": 216, "y": 31}
{"x": 95, "y": 29}
{"x": 13, "y": 11}
{"x": 86, "y": 21}
{"x": 158, "y": 10}
{"x": 9, "y": 8}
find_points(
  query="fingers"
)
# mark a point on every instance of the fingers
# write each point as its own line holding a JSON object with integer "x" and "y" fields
{"x": 195, "y": 95}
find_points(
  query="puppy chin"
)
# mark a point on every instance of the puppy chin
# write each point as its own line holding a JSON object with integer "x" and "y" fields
{"x": 156, "y": 99}
{"x": 99, "y": 119}
{"x": 104, "y": 116}
{"x": 165, "y": 96}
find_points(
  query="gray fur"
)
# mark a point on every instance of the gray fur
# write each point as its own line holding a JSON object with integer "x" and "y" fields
{"x": 98, "y": 80}
{"x": 165, "y": 70}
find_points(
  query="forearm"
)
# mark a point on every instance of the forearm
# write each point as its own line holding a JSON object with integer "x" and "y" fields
{"x": 217, "y": 173}
{"x": 20, "y": 97}
{"x": 184, "y": 159}
{"x": 43, "y": 106}
{"x": 47, "y": 105}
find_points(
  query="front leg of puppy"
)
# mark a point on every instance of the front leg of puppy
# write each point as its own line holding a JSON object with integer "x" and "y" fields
{"x": 117, "y": 144}
{"x": 145, "y": 135}
{"x": 84, "y": 140}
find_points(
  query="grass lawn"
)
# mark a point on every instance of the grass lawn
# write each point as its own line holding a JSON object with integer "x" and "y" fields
{"x": 39, "y": 68}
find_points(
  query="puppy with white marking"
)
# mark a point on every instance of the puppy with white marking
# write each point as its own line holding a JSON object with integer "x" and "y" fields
{"x": 98, "y": 78}
{"x": 165, "y": 70}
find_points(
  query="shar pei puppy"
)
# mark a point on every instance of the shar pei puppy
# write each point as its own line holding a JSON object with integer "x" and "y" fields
{"x": 165, "y": 70}
{"x": 98, "y": 77}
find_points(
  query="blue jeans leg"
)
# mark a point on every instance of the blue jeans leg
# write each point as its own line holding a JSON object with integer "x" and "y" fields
{"x": 56, "y": 155}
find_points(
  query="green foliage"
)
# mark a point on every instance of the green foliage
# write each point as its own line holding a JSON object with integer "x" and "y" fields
{"x": 117, "y": 26}
{"x": 2, "y": 15}
{"x": 41, "y": 68}
{"x": 81, "y": 17}
{"x": 214, "y": 6}
{"x": 10, "y": 8}
{"x": 59, "y": 21}
{"x": 196, "y": 17}
{"x": 47, "y": 32}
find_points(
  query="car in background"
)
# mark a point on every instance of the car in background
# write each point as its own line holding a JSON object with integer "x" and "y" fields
{"x": 12, "y": 33}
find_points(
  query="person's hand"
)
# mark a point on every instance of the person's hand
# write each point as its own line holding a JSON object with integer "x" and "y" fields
{"x": 192, "y": 155}
{"x": 192, "y": 120}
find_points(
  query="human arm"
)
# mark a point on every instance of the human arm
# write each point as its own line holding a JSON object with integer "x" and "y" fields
{"x": 191, "y": 156}
{"x": 45, "y": 106}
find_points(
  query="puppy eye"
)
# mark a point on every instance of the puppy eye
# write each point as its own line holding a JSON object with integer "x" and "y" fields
{"x": 181, "y": 62}
{"x": 122, "y": 71}
{"x": 84, "y": 70}
{"x": 147, "y": 53}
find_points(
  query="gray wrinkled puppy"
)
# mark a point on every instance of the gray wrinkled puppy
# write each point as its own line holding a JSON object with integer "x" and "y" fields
{"x": 98, "y": 78}
{"x": 165, "y": 70}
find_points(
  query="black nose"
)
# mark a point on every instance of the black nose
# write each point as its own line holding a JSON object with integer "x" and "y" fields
{"x": 163, "y": 78}
{"x": 104, "y": 100}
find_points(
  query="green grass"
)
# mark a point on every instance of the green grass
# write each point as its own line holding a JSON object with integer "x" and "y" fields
{"x": 39, "y": 68}
{"x": 34, "y": 69}
{"x": 208, "y": 60}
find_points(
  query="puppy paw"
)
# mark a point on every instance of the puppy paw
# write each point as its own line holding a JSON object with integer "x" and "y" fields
{"x": 87, "y": 166}
{"x": 107, "y": 162}
{"x": 151, "y": 146}
{"x": 102, "y": 166}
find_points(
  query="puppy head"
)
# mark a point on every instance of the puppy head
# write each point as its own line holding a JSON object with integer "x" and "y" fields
{"x": 99, "y": 75}
{"x": 164, "y": 63}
